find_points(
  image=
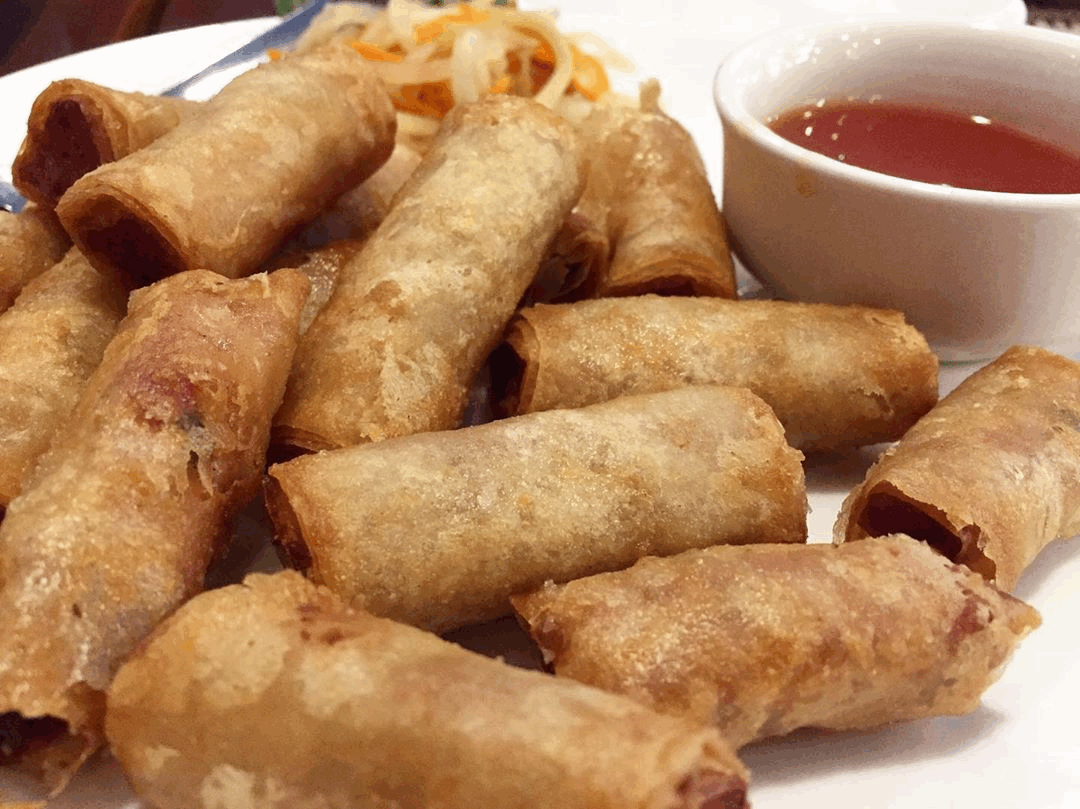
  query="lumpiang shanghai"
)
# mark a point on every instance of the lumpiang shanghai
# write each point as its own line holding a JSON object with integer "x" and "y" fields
{"x": 388, "y": 430}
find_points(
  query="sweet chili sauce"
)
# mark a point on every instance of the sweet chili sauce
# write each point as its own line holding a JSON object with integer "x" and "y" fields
{"x": 932, "y": 146}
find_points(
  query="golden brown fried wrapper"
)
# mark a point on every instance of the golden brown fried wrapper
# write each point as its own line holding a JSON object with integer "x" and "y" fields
{"x": 31, "y": 241}
{"x": 322, "y": 266}
{"x": 836, "y": 376}
{"x": 76, "y": 126}
{"x": 228, "y": 185}
{"x": 117, "y": 524}
{"x": 579, "y": 254}
{"x": 274, "y": 693}
{"x": 990, "y": 476}
{"x": 357, "y": 212}
{"x": 761, "y": 640}
{"x": 413, "y": 318}
{"x": 665, "y": 232}
{"x": 51, "y": 339}
{"x": 439, "y": 529}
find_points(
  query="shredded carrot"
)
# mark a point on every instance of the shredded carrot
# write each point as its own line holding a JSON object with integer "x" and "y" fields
{"x": 466, "y": 15}
{"x": 274, "y": 54}
{"x": 503, "y": 85}
{"x": 590, "y": 79}
{"x": 525, "y": 72}
{"x": 433, "y": 99}
{"x": 544, "y": 54}
{"x": 375, "y": 53}
{"x": 540, "y": 73}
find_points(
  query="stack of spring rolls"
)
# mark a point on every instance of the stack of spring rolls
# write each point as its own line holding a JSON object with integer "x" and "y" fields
{"x": 508, "y": 376}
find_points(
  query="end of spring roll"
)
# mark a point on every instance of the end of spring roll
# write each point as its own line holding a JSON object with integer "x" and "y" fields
{"x": 76, "y": 126}
{"x": 990, "y": 476}
{"x": 228, "y": 185}
{"x": 117, "y": 524}
{"x": 274, "y": 692}
{"x": 762, "y": 640}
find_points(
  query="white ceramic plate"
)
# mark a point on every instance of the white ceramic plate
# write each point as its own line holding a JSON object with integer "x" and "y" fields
{"x": 1019, "y": 749}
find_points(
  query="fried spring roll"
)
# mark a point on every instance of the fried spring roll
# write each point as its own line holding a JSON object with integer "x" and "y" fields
{"x": 118, "y": 522}
{"x": 990, "y": 476}
{"x": 835, "y": 376}
{"x": 413, "y": 318}
{"x": 579, "y": 255}
{"x": 51, "y": 339}
{"x": 76, "y": 126}
{"x": 225, "y": 188}
{"x": 439, "y": 529}
{"x": 665, "y": 231}
{"x": 764, "y": 639}
{"x": 321, "y": 266}
{"x": 31, "y": 241}
{"x": 274, "y": 692}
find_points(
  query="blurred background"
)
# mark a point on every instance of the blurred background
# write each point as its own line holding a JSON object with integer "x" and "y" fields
{"x": 33, "y": 31}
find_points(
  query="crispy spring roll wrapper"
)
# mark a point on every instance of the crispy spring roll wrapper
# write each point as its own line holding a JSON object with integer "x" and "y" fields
{"x": 51, "y": 339}
{"x": 357, "y": 212}
{"x": 228, "y": 185}
{"x": 413, "y": 318}
{"x": 335, "y": 238}
{"x": 440, "y": 529}
{"x": 76, "y": 126}
{"x": 665, "y": 231}
{"x": 580, "y": 252}
{"x": 761, "y": 640}
{"x": 321, "y": 266}
{"x": 117, "y": 524}
{"x": 31, "y": 241}
{"x": 836, "y": 376}
{"x": 275, "y": 693}
{"x": 990, "y": 476}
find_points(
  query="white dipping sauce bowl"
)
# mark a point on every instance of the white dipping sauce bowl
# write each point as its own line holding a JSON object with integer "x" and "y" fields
{"x": 975, "y": 271}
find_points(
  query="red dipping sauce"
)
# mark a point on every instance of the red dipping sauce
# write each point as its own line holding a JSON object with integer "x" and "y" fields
{"x": 931, "y": 146}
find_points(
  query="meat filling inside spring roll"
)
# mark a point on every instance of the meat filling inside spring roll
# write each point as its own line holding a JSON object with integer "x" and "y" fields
{"x": 439, "y": 529}
{"x": 990, "y": 476}
{"x": 117, "y": 524}
{"x": 836, "y": 376}
{"x": 761, "y": 640}
{"x": 276, "y": 688}
{"x": 228, "y": 185}
{"x": 76, "y": 126}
